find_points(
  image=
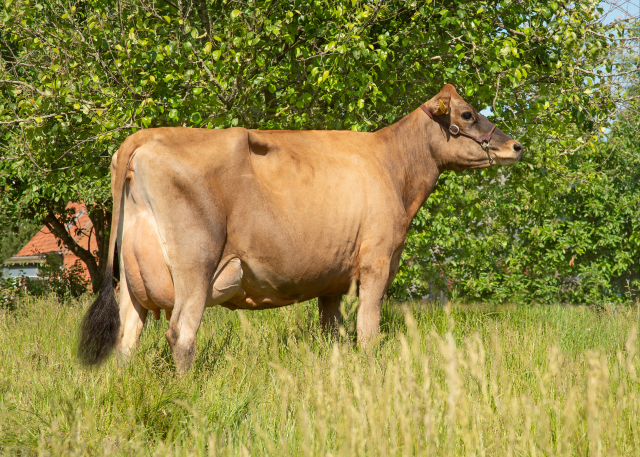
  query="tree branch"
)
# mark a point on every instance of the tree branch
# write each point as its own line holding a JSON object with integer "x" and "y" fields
{"x": 101, "y": 220}
{"x": 20, "y": 83}
{"x": 58, "y": 229}
{"x": 16, "y": 121}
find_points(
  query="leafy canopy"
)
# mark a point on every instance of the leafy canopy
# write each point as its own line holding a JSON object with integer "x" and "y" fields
{"x": 76, "y": 77}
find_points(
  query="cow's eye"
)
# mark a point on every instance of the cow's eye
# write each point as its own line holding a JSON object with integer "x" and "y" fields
{"x": 467, "y": 116}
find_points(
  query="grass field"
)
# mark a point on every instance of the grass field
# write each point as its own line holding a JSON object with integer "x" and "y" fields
{"x": 503, "y": 381}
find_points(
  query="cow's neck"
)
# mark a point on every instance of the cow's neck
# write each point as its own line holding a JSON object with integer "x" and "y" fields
{"x": 408, "y": 156}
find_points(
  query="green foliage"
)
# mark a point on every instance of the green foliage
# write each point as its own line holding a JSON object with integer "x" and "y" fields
{"x": 12, "y": 239}
{"x": 63, "y": 282}
{"x": 77, "y": 77}
{"x": 444, "y": 381}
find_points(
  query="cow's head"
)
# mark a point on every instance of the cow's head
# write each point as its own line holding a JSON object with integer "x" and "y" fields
{"x": 466, "y": 138}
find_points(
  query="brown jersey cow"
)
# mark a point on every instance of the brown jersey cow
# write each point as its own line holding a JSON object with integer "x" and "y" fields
{"x": 253, "y": 219}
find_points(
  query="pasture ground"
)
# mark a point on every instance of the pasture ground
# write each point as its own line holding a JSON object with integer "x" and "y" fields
{"x": 460, "y": 380}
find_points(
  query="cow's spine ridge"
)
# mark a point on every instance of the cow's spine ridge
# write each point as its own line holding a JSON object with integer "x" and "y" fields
{"x": 101, "y": 324}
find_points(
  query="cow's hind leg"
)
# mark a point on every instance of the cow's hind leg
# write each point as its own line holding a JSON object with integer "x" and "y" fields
{"x": 330, "y": 317}
{"x": 184, "y": 324}
{"x": 191, "y": 226}
{"x": 191, "y": 297}
{"x": 132, "y": 317}
{"x": 194, "y": 265}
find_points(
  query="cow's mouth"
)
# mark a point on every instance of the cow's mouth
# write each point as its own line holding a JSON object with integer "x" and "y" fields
{"x": 508, "y": 154}
{"x": 506, "y": 161}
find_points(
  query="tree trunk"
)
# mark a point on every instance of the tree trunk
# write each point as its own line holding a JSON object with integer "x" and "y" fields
{"x": 203, "y": 14}
{"x": 101, "y": 221}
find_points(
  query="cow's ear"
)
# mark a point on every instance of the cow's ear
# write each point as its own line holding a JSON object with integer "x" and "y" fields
{"x": 439, "y": 105}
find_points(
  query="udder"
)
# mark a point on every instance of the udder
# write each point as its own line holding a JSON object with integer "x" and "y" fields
{"x": 227, "y": 290}
{"x": 148, "y": 277}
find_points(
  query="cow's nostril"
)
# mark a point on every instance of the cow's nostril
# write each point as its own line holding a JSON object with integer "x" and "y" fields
{"x": 517, "y": 147}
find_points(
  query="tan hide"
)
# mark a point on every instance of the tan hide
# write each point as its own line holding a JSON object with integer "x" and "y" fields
{"x": 252, "y": 219}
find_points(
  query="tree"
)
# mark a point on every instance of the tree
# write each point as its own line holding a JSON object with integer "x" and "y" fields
{"x": 532, "y": 234}
{"x": 77, "y": 77}
{"x": 562, "y": 226}
{"x": 15, "y": 237}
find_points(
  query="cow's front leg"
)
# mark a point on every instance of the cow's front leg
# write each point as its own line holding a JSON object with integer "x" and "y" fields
{"x": 374, "y": 280}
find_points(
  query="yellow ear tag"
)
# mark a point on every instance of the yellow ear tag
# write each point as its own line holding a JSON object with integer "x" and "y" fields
{"x": 442, "y": 109}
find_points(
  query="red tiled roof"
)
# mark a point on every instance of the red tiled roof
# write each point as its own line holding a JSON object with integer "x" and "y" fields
{"x": 45, "y": 242}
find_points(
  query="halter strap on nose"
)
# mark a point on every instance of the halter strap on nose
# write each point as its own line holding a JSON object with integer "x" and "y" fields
{"x": 455, "y": 130}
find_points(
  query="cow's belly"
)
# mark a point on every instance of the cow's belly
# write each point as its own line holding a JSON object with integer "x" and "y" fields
{"x": 294, "y": 282}
{"x": 249, "y": 279}
{"x": 237, "y": 285}
{"x": 293, "y": 258}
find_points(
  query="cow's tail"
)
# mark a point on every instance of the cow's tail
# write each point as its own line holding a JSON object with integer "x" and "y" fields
{"x": 101, "y": 324}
